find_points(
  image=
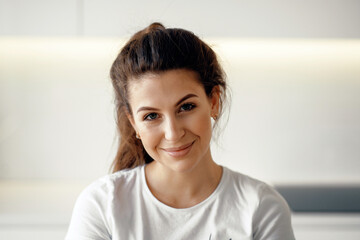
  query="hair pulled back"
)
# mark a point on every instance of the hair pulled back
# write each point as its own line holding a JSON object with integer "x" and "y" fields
{"x": 153, "y": 50}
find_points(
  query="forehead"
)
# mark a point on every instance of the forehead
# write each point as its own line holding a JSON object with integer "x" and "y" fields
{"x": 168, "y": 86}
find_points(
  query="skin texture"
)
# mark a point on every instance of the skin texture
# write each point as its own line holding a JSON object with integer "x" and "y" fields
{"x": 172, "y": 115}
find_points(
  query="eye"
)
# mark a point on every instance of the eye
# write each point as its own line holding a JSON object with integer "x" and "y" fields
{"x": 151, "y": 117}
{"x": 187, "y": 107}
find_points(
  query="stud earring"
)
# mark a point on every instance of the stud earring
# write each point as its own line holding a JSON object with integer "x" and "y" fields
{"x": 137, "y": 135}
{"x": 214, "y": 117}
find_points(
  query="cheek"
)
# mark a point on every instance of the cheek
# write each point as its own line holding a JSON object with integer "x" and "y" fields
{"x": 150, "y": 138}
{"x": 201, "y": 126}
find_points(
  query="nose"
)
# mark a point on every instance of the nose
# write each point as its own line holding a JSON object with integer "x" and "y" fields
{"x": 173, "y": 129}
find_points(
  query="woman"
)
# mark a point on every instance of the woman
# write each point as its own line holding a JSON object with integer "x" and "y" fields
{"x": 165, "y": 185}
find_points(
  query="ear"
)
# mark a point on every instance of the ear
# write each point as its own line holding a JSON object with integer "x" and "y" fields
{"x": 215, "y": 101}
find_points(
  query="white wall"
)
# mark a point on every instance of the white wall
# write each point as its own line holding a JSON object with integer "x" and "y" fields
{"x": 208, "y": 18}
{"x": 295, "y": 114}
{"x": 56, "y": 108}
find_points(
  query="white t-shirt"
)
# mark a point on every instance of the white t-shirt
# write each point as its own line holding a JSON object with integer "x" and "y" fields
{"x": 121, "y": 206}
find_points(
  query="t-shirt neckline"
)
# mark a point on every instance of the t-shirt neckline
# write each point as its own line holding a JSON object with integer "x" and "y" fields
{"x": 206, "y": 201}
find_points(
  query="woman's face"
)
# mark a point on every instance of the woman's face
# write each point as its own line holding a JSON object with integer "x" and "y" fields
{"x": 172, "y": 114}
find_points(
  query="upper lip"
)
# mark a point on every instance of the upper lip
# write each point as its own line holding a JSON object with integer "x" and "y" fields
{"x": 174, "y": 149}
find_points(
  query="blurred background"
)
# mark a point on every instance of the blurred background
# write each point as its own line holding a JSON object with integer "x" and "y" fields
{"x": 294, "y": 119}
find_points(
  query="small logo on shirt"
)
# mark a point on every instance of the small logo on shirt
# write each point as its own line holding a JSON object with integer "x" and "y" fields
{"x": 211, "y": 238}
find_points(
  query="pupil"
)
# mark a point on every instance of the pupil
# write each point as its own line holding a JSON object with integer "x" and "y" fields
{"x": 187, "y": 107}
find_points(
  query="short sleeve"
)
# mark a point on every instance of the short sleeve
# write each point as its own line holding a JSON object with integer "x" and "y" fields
{"x": 89, "y": 219}
{"x": 272, "y": 219}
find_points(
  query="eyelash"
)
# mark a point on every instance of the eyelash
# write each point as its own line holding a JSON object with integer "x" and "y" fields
{"x": 146, "y": 118}
{"x": 191, "y": 107}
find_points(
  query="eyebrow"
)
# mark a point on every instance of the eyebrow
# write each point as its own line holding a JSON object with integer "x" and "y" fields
{"x": 145, "y": 108}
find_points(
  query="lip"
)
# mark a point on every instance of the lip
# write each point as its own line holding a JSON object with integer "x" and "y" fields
{"x": 179, "y": 151}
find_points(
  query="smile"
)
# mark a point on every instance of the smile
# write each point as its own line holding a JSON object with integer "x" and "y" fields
{"x": 179, "y": 151}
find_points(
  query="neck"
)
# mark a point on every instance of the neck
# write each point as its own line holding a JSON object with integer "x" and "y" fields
{"x": 183, "y": 189}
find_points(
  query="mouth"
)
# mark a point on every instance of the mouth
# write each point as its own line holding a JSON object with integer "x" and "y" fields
{"x": 179, "y": 151}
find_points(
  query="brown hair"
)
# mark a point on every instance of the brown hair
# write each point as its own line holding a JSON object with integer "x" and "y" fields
{"x": 152, "y": 50}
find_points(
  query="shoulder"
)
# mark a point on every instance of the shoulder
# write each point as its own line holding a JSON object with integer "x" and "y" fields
{"x": 107, "y": 185}
{"x": 247, "y": 186}
{"x": 271, "y": 216}
{"x": 91, "y": 217}
{"x": 260, "y": 192}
